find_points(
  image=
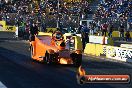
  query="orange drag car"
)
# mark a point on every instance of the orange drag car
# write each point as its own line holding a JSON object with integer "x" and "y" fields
{"x": 52, "y": 48}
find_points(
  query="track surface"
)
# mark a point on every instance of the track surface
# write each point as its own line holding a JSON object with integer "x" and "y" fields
{"x": 17, "y": 70}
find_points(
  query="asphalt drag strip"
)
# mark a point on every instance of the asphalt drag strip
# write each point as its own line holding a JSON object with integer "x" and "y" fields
{"x": 17, "y": 70}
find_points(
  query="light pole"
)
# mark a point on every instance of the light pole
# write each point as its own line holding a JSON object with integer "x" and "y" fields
{"x": 58, "y": 19}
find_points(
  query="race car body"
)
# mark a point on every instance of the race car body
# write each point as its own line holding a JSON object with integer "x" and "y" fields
{"x": 53, "y": 48}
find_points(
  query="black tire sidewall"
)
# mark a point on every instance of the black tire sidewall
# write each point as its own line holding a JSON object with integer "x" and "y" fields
{"x": 47, "y": 58}
{"x": 31, "y": 51}
{"x": 77, "y": 59}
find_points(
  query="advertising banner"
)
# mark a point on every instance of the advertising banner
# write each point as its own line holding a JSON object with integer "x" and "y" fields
{"x": 97, "y": 39}
{"x": 2, "y": 25}
{"x": 11, "y": 28}
{"x": 128, "y": 46}
{"x": 119, "y": 53}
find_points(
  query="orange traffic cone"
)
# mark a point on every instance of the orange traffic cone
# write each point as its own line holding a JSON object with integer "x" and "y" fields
{"x": 103, "y": 41}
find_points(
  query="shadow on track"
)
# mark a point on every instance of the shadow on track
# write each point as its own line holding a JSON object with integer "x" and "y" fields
{"x": 44, "y": 73}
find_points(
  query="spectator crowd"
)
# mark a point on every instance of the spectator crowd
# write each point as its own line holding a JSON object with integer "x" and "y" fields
{"x": 115, "y": 11}
{"x": 110, "y": 15}
{"x": 50, "y": 11}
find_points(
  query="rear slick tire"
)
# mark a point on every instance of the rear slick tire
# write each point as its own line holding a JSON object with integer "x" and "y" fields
{"x": 48, "y": 58}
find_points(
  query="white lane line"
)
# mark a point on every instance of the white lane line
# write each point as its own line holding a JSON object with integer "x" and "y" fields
{"x": 2, "y": 85}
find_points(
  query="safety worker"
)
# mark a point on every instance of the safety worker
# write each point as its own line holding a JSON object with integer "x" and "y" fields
{"x": 121, "y": 31}
{"x": 85, "y": 35}
{"x": 104, "y": 28}
{"x": 36, "y": 29}
{"x": 110, "y": 30}
{"x": 32, "y": 32}
{"x": 27, "y": 31}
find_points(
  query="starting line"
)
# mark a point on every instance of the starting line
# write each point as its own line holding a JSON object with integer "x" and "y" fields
{"x": 2, "y": 85}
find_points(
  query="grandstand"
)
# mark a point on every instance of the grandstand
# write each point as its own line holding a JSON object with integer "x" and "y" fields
{"x": 68, "y": 12}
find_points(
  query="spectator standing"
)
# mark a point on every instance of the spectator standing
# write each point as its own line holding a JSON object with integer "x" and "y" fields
{"x": 94, "y": 26}
{"x": 121, "y": 31}
{"x": 85, "y": 35}
{"x": 110, "y": 30}
{"x": 99, "y": 29}
{"x": 69, "y": 29}
{"x": 79, "y": 28}
{"x": 36, "y": 29}
{"x": 27, "y": 31}
{"x": 22, "y": 29}
{"x": 127, "y": 36}
{"x": 43, "y": 27}
{"x": 91, "y": 26}
{"x": 104, "y": 28}
{"x": 33, "y": 31}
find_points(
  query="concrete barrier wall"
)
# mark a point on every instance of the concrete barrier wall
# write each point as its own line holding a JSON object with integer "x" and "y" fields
{"x": 101, "y": 40}
{"x": 78, "y": 42}
{"x": 90, "y": 49}
{"x": 3, "y": 24}
{"x": 117, "y": 53}
{"x": 128, "y": 46}
{"x": 95, "y": 49}
{"x": 97, "y": 39}
{"x": 116, "y": 34}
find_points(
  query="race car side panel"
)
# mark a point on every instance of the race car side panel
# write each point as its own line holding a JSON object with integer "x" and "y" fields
{"x": 38, "y": 49}
{"x": 43, "y": 44}
{"x": 40, "y": 46}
